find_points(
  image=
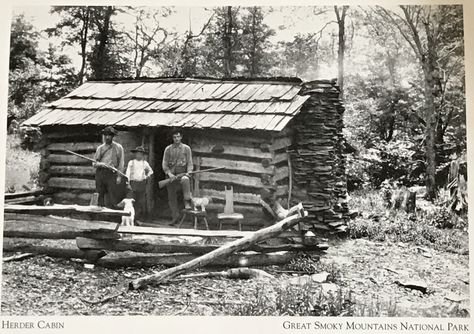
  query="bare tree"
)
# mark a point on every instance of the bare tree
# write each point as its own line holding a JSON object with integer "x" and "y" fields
{"x": 147, "y": 37}
{"x": 341, "y": 43}
{"x": 76, "y": 24}
{"x": 184, "y": 53}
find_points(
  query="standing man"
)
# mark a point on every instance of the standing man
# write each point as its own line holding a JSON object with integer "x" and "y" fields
{"x": 110, "y": 153}
{"x": 177, "y": 159}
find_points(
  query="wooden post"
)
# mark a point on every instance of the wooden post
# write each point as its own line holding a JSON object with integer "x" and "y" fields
{"x": 290, "y": 180}
{"x": 196, "y": 190}
{"x": 150, "y": 189}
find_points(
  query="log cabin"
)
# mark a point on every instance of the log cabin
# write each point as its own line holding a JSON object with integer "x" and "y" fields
{"x": 282, "y": 133}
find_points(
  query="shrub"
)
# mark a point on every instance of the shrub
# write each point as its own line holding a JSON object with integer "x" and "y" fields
{"x": 305, "y": 300}
{"x": 22, "y": 166}
{"x": 439, "y": 227}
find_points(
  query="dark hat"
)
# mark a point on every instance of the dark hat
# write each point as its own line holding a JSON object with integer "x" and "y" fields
{"x": 109, "y": 130}
{"x": 139, "y": 149}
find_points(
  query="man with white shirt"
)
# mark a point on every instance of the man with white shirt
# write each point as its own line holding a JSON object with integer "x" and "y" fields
{"x": 138, "y": 172}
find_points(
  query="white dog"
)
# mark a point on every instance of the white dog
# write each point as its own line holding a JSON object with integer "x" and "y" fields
{"x": 127, "y": 205}
{"x": 201, "y": 202}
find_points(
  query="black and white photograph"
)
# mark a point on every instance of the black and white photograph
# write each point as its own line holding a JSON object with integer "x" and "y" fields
{"x": 236, "y": 161}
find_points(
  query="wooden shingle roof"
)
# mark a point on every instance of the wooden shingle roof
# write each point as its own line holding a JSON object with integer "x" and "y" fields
{"x": 191, "y": 103}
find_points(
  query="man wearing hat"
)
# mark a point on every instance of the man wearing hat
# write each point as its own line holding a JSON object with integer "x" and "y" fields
{"x": 177, "y": 159}
{"x": 109, "y": 154}
{"x": 138, "y": 172}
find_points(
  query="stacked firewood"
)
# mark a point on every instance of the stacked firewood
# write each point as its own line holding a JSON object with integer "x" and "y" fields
{"x": 318, "y": 160}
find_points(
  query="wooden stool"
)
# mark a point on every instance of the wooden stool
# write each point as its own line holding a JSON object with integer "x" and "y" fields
{"x": 195, "y": 214}
{"x": 229, "y": 213}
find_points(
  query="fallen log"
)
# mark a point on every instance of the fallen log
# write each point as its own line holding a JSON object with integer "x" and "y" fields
{"x": 58, "y": 252}
{"x": 131, "y": 259}
{"x": 18, "y": 257}
{"x": 9, "y": 196}
{"x": 50, "y": 227}
{"x": 22, "y": 200}
{"x": 150, "y": 245}
{"x": 114, "y": 260}
{"x": 225, "y": 250}
{"x": 233, "y": 273}
{"x": 58, "y": 209}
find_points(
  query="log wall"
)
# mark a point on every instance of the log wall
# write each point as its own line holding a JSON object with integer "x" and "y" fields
{"x": 70, "y": 179}
{"x": 253, "y": 161}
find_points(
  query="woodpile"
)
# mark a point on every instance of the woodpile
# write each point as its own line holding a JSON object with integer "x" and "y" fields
{"x": 317, "y": 157}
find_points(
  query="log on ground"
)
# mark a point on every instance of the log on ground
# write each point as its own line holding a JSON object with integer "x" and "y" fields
{"x": 127, "y": 259}
{"x": 221, "y": 252}
{"x": 9, "y": 196}
{"x": 50, "y": 227}
{"x": 157, "y": 245}
{"x": 64, "y": 252}
{"x": 133, "y": 259}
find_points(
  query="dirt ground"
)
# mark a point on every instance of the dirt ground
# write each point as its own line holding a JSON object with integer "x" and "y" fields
{"x": 46, "y": 286}
{"x": 372, "y": 268}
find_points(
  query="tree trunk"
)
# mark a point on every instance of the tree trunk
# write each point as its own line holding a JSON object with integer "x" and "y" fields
{"x": 253, "y": 71}
{"x": 103, "y": 39}
{"x": 84, "y": 37}
{"x": 430, "y": 117}
{"x": 221, "y": 252}
{"x": 228, "y": 44}
{"x": 341, "y": 21}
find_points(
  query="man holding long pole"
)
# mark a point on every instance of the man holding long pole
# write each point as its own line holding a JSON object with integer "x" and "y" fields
{"x": 109, "y": 154}
{"x": 177, "y": 159}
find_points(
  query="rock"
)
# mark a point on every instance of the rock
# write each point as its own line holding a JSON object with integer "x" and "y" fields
{"x": 354, "y": 214}
{"x": 320, "y": 277}
{"x": 329, "y": 287}
{"x": 414, "y": 284}
{"x": 422, "y": 250}
{"x": 455, "y": 297}
{"x": 300, "y": 280}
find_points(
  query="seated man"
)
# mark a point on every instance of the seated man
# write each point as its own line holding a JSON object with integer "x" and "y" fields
{"x": 177, "y": 162}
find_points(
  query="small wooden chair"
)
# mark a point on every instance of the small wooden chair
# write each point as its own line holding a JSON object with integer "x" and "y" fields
{"x": 195, "y": 214}
{"x": 229, "y": 213}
